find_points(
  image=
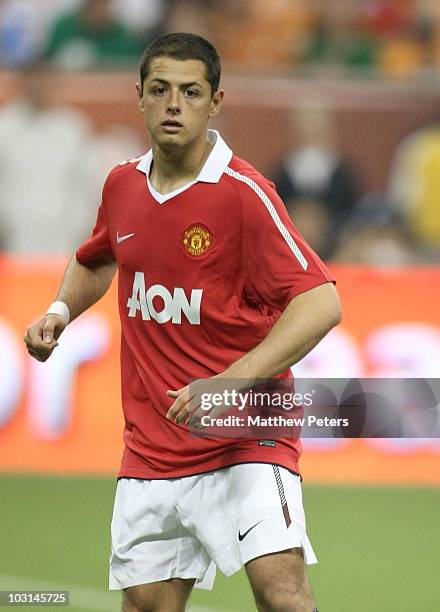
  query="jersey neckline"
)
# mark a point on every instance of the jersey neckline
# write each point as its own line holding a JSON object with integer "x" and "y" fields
{"x": 214, "y": 167}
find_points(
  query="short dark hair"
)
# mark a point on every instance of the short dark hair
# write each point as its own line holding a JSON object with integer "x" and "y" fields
{"x": 183, "y": 46}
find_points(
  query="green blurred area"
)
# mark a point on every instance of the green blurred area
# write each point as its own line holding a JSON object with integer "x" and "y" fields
{"x": 378, "y": 547}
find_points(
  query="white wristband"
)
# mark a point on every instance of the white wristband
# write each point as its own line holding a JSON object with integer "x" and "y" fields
{"x": 59, "y": 308}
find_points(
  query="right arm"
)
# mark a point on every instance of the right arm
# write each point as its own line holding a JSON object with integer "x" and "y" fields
{"x": 81, "y": 287}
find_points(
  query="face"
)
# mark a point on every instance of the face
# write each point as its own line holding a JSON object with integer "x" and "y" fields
{"x": 177, "y": 101}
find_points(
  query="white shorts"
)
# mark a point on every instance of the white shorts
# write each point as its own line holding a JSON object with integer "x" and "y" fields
{"x": 185, "y": 527}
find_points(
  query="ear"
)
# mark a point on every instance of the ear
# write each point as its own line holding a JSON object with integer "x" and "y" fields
{"x": 139, "y": 97}
{"x": 216, "y": 103}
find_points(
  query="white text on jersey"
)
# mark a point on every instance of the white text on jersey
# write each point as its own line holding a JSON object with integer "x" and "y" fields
{"x": 173, "y": 305}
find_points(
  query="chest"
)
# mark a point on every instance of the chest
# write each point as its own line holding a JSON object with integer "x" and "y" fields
{"x": 194, "y": 236}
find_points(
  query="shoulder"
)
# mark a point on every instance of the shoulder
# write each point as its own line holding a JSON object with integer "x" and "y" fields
{"x": 243, "y": 172}
{"x": 123, "y": 171}
{"x": 249, "y": 181}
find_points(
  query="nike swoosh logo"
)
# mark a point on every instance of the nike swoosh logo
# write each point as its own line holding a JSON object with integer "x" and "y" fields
{"x": 241, "y": 536}
{"x": 120, "y": 239}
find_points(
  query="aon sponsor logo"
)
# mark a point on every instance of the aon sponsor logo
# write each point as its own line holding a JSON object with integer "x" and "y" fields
{"x": 173, "y": 305}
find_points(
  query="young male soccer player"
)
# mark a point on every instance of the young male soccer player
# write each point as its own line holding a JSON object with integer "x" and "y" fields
{"x": 214, "y": 280}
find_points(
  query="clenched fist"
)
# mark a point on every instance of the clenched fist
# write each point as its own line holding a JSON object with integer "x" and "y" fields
{"x": 41, "y": 337}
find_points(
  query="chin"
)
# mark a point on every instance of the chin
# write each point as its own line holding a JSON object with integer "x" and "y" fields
{"x": 171, "y": 139}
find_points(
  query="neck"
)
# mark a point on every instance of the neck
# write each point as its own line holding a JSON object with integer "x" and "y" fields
{"x": 174, "y": 167}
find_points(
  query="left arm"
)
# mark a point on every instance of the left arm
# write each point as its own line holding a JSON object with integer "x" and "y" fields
{"x": 307, "y": 318}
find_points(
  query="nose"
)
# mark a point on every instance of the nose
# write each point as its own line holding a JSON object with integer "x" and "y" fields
{"x": 173, "y": 103}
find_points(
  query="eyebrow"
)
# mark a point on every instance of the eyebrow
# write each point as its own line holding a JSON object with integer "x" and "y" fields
{"x": 164, "y": 82}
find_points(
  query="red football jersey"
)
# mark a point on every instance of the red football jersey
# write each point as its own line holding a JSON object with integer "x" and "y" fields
{"x": 204, "y": 274}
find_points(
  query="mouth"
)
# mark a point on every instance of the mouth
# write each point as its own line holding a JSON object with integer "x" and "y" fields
{"x": 171, "y": 126}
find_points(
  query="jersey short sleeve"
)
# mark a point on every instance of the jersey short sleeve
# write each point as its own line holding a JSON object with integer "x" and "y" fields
{"x": 279, "y": 263}
{"x": 98, "y": 244}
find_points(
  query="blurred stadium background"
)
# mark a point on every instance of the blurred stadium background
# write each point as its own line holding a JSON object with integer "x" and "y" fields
{"x": 339, "y": 103}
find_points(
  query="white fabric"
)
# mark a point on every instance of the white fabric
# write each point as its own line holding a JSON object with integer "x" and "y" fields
{"x": 181, "y": 527}
{"x": 217, "y": 162}
{"x": 61, "y": 309}
{"x": 163, "y": 197}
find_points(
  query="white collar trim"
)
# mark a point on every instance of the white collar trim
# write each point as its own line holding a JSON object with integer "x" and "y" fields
{"x": 163, "y": 197}
{"x": 217, "y": 162}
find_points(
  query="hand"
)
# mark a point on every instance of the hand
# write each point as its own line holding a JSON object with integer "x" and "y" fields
{"x": 181, "y": 409}
{"x": 187, "y": 406}
{"x": 41, "y": 337}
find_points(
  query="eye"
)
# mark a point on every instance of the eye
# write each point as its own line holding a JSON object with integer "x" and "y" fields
{"x": 158, "y": 91}
{"x": 191, "y": 93}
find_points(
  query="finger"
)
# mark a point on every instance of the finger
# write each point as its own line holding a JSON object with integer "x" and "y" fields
{"x": 194, "y": 422}
{"x": 37, "y": 355}
{"x": 190, "y": 419}
{"x": 181, "y": 409}
{"x": 33, "y": 337}
{"x": 41, "y": 352}
{"x": 48, "y": 330}
{"x": 181, "y": 397}
{"x": 32, "y": 350}
{"x": 38, "y": 345}
{"x": 182, "y": 416}
{"x": 177, "y": 406}
{"x": 190, "y": 408}
{"x": 51, "y": 345}
{"x": 177, "y": 392}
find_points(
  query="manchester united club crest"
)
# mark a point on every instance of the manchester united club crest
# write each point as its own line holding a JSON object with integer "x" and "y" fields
{"x": 196, "y": 240}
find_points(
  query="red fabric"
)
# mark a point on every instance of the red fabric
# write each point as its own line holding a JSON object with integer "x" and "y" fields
{"x": 247, "y": 274}
{"x": 385, "y": 16}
